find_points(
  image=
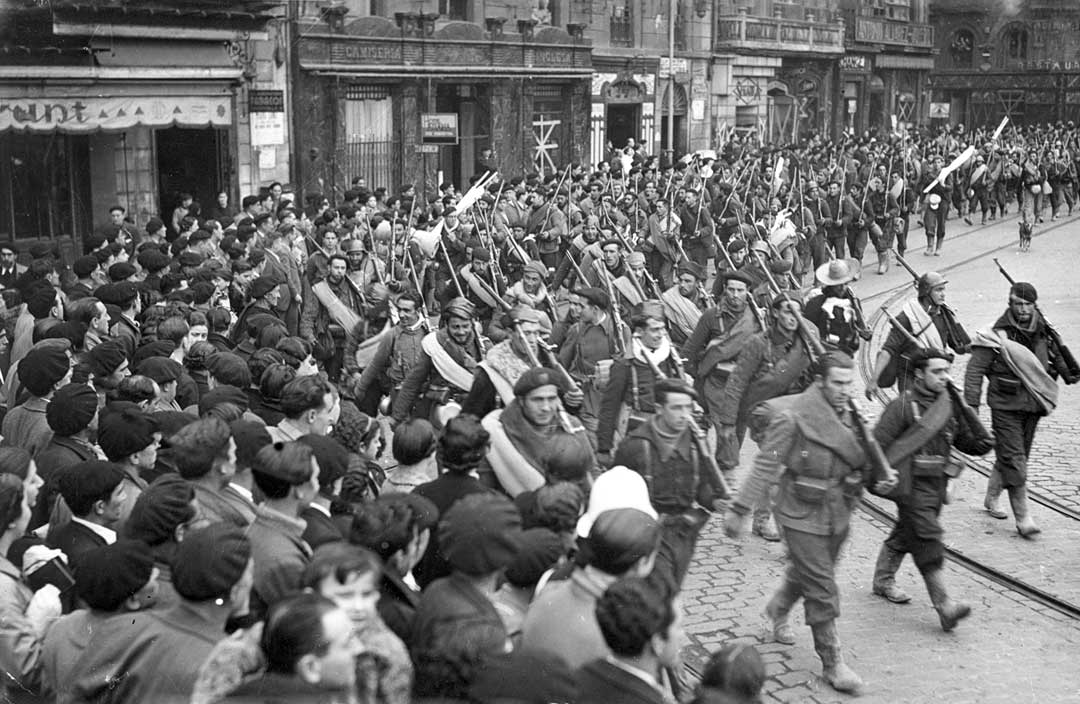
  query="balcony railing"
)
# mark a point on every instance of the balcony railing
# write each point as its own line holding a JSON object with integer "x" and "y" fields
{"x": 776, "y": 34}
{"x": 876, "y": 31}
{"x": 622, "y": 29}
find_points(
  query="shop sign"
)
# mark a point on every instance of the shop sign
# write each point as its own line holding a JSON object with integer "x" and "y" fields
{"x": 747, "y": 90}
{"x": 90, "y": 114}
{"x": 427, "y": 148}
{"x": 680, "y": 65}
{"x": 853, "y": 62}
{"x": 939, "y": 111}
{"x": 267, "y": 129}
{"x": 439, "y": 128}
{"x": 266, "y": 101}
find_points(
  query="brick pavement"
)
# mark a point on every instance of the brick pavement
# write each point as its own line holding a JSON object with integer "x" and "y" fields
{"x": 1011, "y": 649}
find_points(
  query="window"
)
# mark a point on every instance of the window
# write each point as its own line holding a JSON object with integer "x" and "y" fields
{"x": 962, "y": 49}
{"x": 44, "y": 185}
{"x": 746, "y": 118}
{"x": 548, "y": 106}
{"x": 622, "y": 25}
{"x": 369, "y": 135}
{"x": 898, "y": 10}
{"x": 1016, "y": 43}
{"x": 454, "y": 9}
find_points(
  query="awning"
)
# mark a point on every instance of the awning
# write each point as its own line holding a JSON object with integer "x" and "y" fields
{"x": 924, "y": 63}
{"x": 79, "y": 115}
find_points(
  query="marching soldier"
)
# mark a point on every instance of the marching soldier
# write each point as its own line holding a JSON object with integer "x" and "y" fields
{"x": 329, "y": 316}
{"x": 443, "y": 373}
{"x": 588, "y": 352}
{"x": 684, "y": 302}
{"x": 772, "y": 363}
{"x": 714, "y": 346}
{"x": 929, "y": 321}
{"x": 917, "y": 431}
{"x": 395, "y": 356}
{"x": 1015, "y": 358}
{"x": 810, "y": 449}
{"x": 835, "y": 311}
{"x": 634, "y": 376}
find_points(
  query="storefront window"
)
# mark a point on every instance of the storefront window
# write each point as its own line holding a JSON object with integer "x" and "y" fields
{"x": 369, "y": 135}
{"x": 44, "y": 186}
{"x": 547, "y": 132}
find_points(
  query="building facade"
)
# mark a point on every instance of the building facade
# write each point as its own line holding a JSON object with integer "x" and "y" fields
{"x": 886, "y": 67}
{"x": 775, "y": 68}
{"x": 105, "y": 102}
{"x": 637, "y": 86}
{"x": 439, "y": 94}
{"x": 1023, "y": 63}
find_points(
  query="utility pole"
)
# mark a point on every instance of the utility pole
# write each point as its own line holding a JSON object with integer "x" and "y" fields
{"x": 672, "y": 7}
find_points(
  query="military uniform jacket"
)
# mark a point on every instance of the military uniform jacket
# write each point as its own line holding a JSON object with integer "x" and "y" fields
{"x": 632, "y": 382}
{"x": 814, "y": 456}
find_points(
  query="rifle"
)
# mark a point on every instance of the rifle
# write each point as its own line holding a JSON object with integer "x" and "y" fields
{"x": 907, "y": 266}
{"x": 881, "y": 470}
{"x": 450, "y": 266}
{"x": 814, "y": 348}
{"x": 982, "y": 437}
{"x": 425, "y": 321}
{"x": 716, "y": 477}
{"x": 1064, "y": 362}
{"x": 632, "y": 276}
{"x": 621, "y": 347}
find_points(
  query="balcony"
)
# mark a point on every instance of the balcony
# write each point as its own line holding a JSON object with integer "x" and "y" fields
{"x": 777, "y": 35}
{"x": 870, "y": 30}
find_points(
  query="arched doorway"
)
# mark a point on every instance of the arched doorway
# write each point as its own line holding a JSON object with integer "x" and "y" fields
{"x": 678, "y": 116}
{"x": 783, "y": 114}
{"x": 876, "y": 87}
{"x": 622, "y": 120}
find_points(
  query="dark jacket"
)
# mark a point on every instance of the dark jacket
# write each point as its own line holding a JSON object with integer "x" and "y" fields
{"x": 674, "y": 481}
{"x": 1004, "y": 391}
{"x": 443, "y": 492}
{"x": 59, "y": 453}
{"x": 321, "y": 529}
{"x": 75, "y": 540}
{"x": 601, "y": 682}
{"x": 397, "y": 605}
{"x": 622, "y": 389}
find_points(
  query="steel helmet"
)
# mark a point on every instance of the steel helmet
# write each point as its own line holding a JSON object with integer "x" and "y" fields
{"x": 929, "y": 281}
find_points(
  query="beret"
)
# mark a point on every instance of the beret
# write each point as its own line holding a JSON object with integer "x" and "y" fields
{"x": 260, "y": 218}
{"x": 597, "y": 296}
{"x": 675, "y": 386}
{"x": 534, "y": 379}
{"x": 250, "y": 436}
{"x": 189, "y": 259}
{"x": 1024, "y": 291}
{"x": 521, "y": 314}
{"x": 198, "y": 236}
{"x": 118, "y": 294}
{"x": 152, "y": 259}
{"x": 231, "y": 369}
{"x": 480, "y": 533}
{"x": 42, "y": 368}
{"x": 123, "y": 432}
{"x": 332, "y": 456}
{"x": 649, "y": 309}
{"x": 262, "y": 286}
{"x": 780, "y": 266}
{"x": 610, "y": 240}
{"x": 539, "y": 550}
{"x": 41, "y": 250}
{"x": 160, "y": 508}
{"x": 84, "y": 266}
{"x": 459, "y": 308}
{"x": 692, "y": 268}
{"x": 122, "y": 271}
{"x": 223, "y": 393}
{"x": 480, "y": 254}
{"x": 153, "y": 225}
{"x": 738, "y": 275}
{"x": 537, "y": 268}
{"x": 210, "y": 561}
{"x": 71, "y": 409}
{"x": 83, "y": 483}
{"x": 202, "y": 292}
{"x": 736, "y": 246}
{"x": 110, "y": 575}
{"x": 426, "y": 512}
{"x": 161, "y": 369}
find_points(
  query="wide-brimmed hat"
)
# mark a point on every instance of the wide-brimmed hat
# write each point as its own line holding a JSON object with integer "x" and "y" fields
{"x": 838, "y": 272}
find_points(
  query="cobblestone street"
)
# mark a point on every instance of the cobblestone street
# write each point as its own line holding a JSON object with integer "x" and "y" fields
{"x": 1011, "y": 649}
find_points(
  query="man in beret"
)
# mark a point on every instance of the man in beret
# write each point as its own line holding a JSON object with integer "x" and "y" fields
{"x": 444, "y": 370}
{"x": 533, "y": 440}
{"x": 685, "y": 301}
{"x": 115, "y": 579}
{"x": 10, "y": 270}
{"x": 635, "y": 285}
{"x": 333, "y": 461}
{"x": 396, "y": 354}
{"x": 44, "y": 370}
{"x": 159, "y": 655}
{"x": 609, "y": 266}
{"x": 130, "y": 438}
{"x": 772, "y": 363}
{"x": 281, "y": 266}
{"x": 714, "y": 346}
{"x": 167, "y": 373}
{"x": 589, "y": 350}
{"x": 531, "y": 290}
{"x": 263, "y": 296}
{"x": 95, "y": 494}
{"x": 664, "y": 451}
{"x": 84, "y": 269}
{"x": 584, "y": 249}
{"x": 1021, "y": 363}
{"x": 72, "y": 415}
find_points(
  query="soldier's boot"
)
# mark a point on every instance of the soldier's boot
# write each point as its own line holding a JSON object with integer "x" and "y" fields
{"x": 984, "y": 217}
{"x": 929, "y": 246}
{"x": 993, "y": 496}
{"x": 949, "y": 612}
{"x": 764, "y": 526}
{"x": 937, "y": 249}
{"x": 776, "y": 613}
{"x": 888, "y": 562}
{"x": 882, "y": 262}
{"x": 1025, "y": 525}
{"x": 833, "y": 668}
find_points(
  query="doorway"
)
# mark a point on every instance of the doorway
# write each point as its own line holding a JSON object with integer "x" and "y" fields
{"x": 190, "y": 160}
{"x": 471, "y": 103}
{"x": 623, "y": 122}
